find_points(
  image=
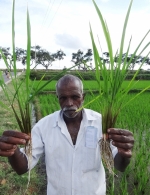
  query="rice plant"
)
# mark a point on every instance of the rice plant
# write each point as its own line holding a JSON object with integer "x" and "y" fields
{"x": 23, "y": 90}
{"x": 111, "y": 93}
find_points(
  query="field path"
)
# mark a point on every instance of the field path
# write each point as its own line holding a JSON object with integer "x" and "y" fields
{"x": 8, "y": 80}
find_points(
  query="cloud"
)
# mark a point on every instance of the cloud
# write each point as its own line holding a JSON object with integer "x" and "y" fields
{"x": 104, "y": 1}
{"x": 67, "y": 28}
{"x": 68, "y": 41}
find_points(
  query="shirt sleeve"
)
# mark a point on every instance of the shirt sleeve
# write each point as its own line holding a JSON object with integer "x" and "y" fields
{"x": 114, "y": 149}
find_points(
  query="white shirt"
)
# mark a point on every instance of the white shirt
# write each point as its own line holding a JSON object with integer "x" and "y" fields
{"x": 71, "y": 169}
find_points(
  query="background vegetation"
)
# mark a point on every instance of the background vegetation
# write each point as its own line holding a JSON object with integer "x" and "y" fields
{"x": 85, "y": 75}
{"x": 40, "y": 56}
{"x": 134, "y": 181}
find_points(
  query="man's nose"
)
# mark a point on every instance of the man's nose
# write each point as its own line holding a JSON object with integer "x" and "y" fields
{"x": 70, "y": 102}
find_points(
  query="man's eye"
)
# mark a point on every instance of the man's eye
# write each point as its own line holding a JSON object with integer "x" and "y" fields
{"x": 62, "y": 98}
{"x": 75, "y": 97}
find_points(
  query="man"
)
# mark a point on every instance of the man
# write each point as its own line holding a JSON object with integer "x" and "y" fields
{"x": 69, "y": 140}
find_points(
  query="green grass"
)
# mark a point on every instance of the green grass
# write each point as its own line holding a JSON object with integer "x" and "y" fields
{"x": 93, "y": 85}
{"x": 10, "y": 182}
{"x": 135, "y": 117}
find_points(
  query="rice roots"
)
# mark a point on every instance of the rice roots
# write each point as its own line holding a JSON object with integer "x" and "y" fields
{"x": 28, "y": 152}
{"x": 106, "y": 155}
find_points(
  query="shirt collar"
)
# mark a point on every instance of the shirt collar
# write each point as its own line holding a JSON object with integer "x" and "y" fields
{"x": 88, "y": 114}
{"x": 56, "y": 118}
{"x": 59, "y": 118}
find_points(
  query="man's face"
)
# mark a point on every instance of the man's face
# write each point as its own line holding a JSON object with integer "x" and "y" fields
{"x": 70, "y": 98}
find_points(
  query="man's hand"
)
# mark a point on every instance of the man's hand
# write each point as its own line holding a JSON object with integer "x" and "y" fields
{"x": 9, "y": 141}
{"x": 123, "y": 140}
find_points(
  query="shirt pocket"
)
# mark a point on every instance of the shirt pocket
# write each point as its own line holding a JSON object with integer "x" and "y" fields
{"x": 91, "y": 159}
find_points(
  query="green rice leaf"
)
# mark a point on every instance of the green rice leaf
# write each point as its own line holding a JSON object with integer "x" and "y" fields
{"x": 106, "y": 33}
{"x": 113, "y": 76}
{"x": 13, "y": 39}
{"x": 124, "y": 32}
{"x": 27, "y": 76}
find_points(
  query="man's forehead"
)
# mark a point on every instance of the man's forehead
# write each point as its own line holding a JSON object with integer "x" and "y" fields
{"x": 70, "y": 88}
{"x": 69, "y": 82}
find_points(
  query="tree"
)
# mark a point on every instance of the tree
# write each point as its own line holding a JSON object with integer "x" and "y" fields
{"x": 37, "y": 56}
{"x": 77, "y": 58}
{"x": 5, "y": 51}
{"x": 7, "y": 54}
{"x": 44, "y": 57}
{"x": 88, "y": 56}
{"x": 59, "y": 55}
{"x": 147, "y": 61}
{"x": 80, "y": 59}
{"x": 20, "y": 54}
{"x": 134, "y": 60}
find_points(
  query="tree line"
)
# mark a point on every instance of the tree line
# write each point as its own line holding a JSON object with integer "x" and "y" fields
{"x": 41, "y": 56}
{"x": 135, "y": 60}
{"x": 83, "y": 60}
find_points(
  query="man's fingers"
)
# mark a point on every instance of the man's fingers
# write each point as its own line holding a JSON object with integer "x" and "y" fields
{"x": 120, "y": 131}
{"x": 9, "y": 141}
{"x": 7, "y": 153}
{"x": 6, "y": 146}
{"x": 121, "y": 138}
{"x": 12, "y": 140}
{"x": 17, "y": 134}
{"x": 126, "y": 146}
{"x": 14, "y": 137}
{"x": 120, "y": 135}
{"x": 125, "y": 153}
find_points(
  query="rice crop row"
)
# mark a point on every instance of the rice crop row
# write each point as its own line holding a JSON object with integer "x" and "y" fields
{"x": 48, "y": 104}
{"x": 135, "y": 117}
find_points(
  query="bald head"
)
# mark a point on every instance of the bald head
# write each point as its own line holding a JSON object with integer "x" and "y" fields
{"x": 67, "y": 79}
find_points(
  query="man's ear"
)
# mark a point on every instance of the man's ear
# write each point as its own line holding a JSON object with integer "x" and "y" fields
{"x": 84, "y": 95}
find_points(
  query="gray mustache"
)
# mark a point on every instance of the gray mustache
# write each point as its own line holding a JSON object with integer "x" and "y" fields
{"x": 69, "y": 109}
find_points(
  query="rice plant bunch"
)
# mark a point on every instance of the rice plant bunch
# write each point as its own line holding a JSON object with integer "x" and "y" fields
{"x": 111, "y": 92}
{"x": 21, "y": 96}
{"x": 23, "y": 89}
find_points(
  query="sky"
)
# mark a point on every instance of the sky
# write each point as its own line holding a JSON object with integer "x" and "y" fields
{"x": 64, "y": 24}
